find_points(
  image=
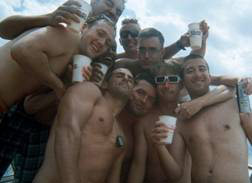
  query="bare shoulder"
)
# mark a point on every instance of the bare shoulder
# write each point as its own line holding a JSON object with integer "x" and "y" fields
{"x": 84, "y": 91}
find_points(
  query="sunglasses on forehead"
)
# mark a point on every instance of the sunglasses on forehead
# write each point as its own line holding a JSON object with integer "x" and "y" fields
{"x": 125, "y": 34}
{"x": 168, "y": 78}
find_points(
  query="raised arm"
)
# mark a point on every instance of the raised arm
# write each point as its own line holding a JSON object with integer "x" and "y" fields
{"x": 183, "y": 42}
{"x": 73, "y": 113}
{"x": 174, "y": 48}
{"x": 188, "y": 109}
{"x": 137, "y": 169}
{"x": 13, "y": 26}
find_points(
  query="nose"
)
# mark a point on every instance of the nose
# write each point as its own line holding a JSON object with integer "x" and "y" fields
{"x": 144, "y": 98}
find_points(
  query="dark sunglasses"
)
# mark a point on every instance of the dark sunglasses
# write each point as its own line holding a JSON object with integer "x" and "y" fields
{"x": 126, "y": 33}
{"x": 169, "y": 79}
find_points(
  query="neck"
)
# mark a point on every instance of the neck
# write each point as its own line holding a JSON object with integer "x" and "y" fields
{"x": 115, "y": 103}
{"x": 194, "y": 95}
{"x": 167, "y": 107}
{"x": 131, "y": 54}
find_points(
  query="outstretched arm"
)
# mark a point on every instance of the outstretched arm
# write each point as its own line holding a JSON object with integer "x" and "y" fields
{"x": 73, "y": 113}
{"x": 137, "y": 169}
{"x": 13, "y": 26}
{"x": 188, "y": 109}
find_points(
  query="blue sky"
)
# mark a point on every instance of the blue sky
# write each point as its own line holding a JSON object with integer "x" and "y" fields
{"x": 229, "y": 48}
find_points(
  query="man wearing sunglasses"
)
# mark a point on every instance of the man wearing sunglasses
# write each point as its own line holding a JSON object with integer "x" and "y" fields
{"x": 147, "y": 165}
{"x": 129, "y": 39}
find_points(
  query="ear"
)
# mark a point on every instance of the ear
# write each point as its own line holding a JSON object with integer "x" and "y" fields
{"x": 162, "y": 52}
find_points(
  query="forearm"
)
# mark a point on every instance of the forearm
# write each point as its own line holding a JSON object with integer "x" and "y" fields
{"x": 168, "y": 163}
{"x": 137, "y": 172}
{"x": 13, "y": 26}
{"x": 246, "y": 123}
{"x": 219, "y": 94}
{"x": 171, "y": 50}
{"x": 67, "y": 144}
{"x": 224, "y": 80}
{"x": 37, "y": 102}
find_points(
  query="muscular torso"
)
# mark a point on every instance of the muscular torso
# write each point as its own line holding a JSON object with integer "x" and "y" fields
{"x": 98, "y": 149}
{"x": 217, "y": 145}
{"x": 16, "y": 83}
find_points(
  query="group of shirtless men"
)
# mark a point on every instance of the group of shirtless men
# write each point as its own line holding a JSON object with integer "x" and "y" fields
{"x": 111, "y": 134}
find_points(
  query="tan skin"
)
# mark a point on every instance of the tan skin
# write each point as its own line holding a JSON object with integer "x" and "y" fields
{"x": 148, "y": 158}
{"x": 84, "y": 134}
{"x": 218, "y": 146}
{"x": 13, "y": 26}
{"x": 52, "y": 55}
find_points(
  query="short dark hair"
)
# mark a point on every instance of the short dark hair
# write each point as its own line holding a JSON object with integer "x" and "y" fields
{"x": 151, "y": 32}
{"x": 93, "y": 20}
{"x": 191, "y": 57}
{"x": 146, "y": 76}
{"x": 163, "y": 68}
{"x": 129, "y": 20}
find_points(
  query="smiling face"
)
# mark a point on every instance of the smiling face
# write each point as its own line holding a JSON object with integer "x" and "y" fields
{"x": 111, "y": 8}
{"x": 128, "y": 37}
{"x": 121, "y": 82}
{"x": 150, "y": 51}
{"x": 143, "y": 98}
{"x": 196, "y": 77}
{"x": 97, "y": 39}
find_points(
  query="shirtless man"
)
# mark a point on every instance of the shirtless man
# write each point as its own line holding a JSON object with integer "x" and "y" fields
{"x": 39, "y": 57}
{"x": 215, "y": 140}
{"x": 85, "y": 136}
{"x": 13, "y": 26}
{"x": 129, "y": 39}
{"x": 146, "y": 166}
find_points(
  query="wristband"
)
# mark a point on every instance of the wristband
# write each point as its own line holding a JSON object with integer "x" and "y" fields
{"x": 179, "y": 46}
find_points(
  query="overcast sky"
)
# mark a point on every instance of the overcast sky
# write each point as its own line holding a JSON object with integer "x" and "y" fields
{"x": 229, "y": 48}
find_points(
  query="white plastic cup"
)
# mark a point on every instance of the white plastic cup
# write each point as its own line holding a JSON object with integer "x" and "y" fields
{"x": 169, "y": 122}
{"x": 85, "y": 10}
{"x": 79, "y": 63}
{"x": 195, "y": 36}
{"x": 104, "y": 69}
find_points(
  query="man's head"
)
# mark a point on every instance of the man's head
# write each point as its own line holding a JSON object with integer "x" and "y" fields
{"x": 120, "y": 83}
{"x": 150, "y": 47}
{"x": 195, "y": 74}
{"x": 111, "y": 8}
{"x": 167, "y": 80}
{"x": 143, "y": 95}
{"x": 129, "y": 35}
{"x": 98, "y": 37}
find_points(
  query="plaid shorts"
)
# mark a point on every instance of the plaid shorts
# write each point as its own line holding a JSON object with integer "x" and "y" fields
{"x": 23, "y": 140}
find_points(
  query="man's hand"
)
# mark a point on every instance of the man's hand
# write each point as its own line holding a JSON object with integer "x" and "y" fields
{"x": 159, "y": 133}
{"x": 65, "y": 14}
{"x": 184, "y": 40}
{"x": 187, "y": 109}
{"x": 247, "y": 85}
{"x": 205, "y": 29}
